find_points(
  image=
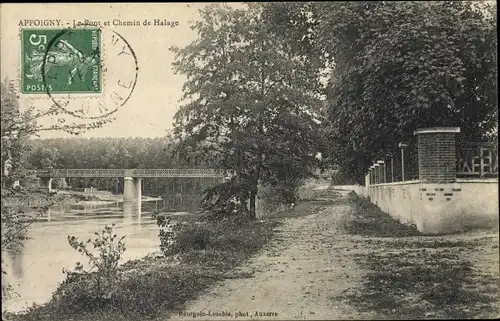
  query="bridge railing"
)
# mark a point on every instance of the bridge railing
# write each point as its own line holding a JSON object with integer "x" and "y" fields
{"x": 176, "y": 173}
{"x": 57, "y": 173}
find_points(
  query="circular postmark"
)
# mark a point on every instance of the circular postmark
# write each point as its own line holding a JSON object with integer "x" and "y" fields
{"x": 88, "y": 73}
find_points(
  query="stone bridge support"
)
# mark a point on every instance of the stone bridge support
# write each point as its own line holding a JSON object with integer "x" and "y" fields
{"x": 45, "y": 182}
{"x": 132, "y": 190}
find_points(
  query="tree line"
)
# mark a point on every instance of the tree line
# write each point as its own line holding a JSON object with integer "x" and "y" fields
{"x": 104, "y": 153}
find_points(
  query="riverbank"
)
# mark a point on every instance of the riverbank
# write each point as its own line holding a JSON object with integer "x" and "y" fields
{"x": 99, "y": 197}
{"x": 63, "y": 197}
{"x": 156, "y": 284}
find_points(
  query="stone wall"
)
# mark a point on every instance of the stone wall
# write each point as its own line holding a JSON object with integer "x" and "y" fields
{"x": 437, "y": 202}
{"x": 440, "y": 208}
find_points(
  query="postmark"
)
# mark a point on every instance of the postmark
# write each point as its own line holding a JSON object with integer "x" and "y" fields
{"x": 86, "y": 72}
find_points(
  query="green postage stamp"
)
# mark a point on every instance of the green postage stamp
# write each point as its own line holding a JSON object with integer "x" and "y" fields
{"x": 61, "y": 61}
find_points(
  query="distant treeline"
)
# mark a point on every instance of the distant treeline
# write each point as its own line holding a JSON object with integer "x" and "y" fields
{"x": 104, "y": 153}
{"x": 115, "y": 153}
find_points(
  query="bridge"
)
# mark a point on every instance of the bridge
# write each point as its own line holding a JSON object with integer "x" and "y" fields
{"x": 137, "y": 173}
{"x": 132, "y": 178}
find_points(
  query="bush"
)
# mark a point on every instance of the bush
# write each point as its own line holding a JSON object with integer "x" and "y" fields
{"x": 231, "y": 233}
{"x": 192, "y": 237}
{"x": 167, "y": 234}
{"x": 225, "y": 199}
{"x": 343, "y": 177}
{"x": 87, "y": 289}
{"x": 278, "y": 197}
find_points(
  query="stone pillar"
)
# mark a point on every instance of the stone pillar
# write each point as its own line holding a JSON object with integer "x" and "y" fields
{"x": 46, "y": 182}
{"x": 392, "y": 169}
{"x": 437, "y": 154}
{"x": 381, "y": 166}
{"x": 367, "y": 184}
{"x": 377, "y": 173}
{"x": 128, "y": 190}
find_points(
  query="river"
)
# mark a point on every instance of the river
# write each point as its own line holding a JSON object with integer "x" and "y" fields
{"x": 37, "y": 270}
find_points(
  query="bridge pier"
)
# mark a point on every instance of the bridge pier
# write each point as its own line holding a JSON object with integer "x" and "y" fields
{"x": 45, "y": 182}
{"x": 132, "y": 189}
{"x": 128, "y": 190}
{"x": 132, "y": 197}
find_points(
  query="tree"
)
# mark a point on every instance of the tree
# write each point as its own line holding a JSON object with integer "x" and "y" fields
{"x": 398, "y": 66}
{"x": 253, "y": 105}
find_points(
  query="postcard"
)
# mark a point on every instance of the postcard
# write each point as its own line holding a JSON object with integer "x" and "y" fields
{"x": 249, "y": 161}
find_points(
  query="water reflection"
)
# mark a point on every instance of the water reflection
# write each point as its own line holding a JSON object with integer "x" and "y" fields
{"x": 16, "y": 257}
{"x": 35, "y": 268}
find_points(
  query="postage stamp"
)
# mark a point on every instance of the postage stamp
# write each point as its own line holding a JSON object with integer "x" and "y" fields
{"x": 61, "y": 61}
{"x": 86, "y": 72}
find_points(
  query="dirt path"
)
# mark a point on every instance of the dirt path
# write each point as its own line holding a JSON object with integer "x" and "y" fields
{"x": 297, "y": 276}
{"x": 342, "y": 260}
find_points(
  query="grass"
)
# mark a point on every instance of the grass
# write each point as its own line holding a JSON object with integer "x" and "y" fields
{"x": 411, "y": 276}
{"x": 369, "y": 220}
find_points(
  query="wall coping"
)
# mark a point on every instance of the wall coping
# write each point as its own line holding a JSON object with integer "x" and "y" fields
{"x": 460, "y": 181}
{"x": 416, "y": 181}
{"x": 478, "y": 180}
{"x": 433, "y": 130}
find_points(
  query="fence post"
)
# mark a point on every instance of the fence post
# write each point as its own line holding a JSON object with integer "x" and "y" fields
{"x": 481, "y": 161}
{"x": 381, "y": 168}
{"x": 392, "y": 169}
{"x": 385, "y": 170}
{"x": 402, "y": 146}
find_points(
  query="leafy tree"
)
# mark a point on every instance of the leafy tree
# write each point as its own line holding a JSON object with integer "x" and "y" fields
{"x": 398, "y": 66}
{"x": 252, "y": 105}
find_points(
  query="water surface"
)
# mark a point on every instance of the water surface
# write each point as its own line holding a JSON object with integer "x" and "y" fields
{"x": 37, "y": 270}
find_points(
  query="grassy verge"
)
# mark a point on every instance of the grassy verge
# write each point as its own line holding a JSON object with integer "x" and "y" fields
{"x": 411, "y": 276}
{"x": 152, "y": 287}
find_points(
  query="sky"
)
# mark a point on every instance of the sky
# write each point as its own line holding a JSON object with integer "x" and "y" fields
{"x": 150, "y": 110}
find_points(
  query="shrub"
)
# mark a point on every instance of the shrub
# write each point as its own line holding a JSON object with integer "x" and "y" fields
{"x": 230, "y": 233}
{"x": 87, "y": 289}
{"x": 225, "y": 199}
{"x": 167, "y": 235}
